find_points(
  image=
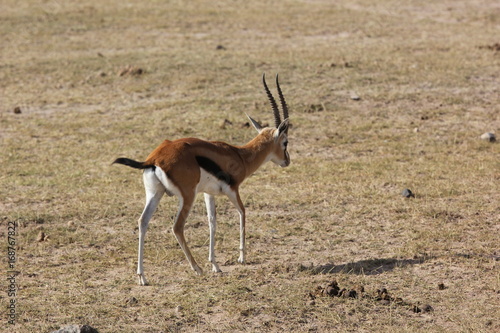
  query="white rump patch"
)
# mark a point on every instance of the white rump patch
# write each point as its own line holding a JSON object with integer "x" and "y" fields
{"x": 167, "y": 183}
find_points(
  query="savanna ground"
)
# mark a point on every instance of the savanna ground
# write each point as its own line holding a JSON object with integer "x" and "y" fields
{"x": 427, "y": 74}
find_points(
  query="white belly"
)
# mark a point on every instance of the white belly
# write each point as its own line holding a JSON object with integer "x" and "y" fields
{"x": 211, "y": 185}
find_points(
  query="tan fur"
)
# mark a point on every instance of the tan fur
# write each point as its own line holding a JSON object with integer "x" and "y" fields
{"x": 177, "y": 158}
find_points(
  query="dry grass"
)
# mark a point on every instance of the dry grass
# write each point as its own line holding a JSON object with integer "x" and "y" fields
{"x": 335, "y": 213}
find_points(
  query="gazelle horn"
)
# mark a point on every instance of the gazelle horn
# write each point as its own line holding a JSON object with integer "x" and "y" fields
{"x": 282, "y": 99}
{"x": 277, "y": 120}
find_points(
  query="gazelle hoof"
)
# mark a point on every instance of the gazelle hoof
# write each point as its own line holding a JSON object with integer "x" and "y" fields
{"x": 198, "y": 270}
{"x": 142, "y": 280}
{"x": 216, "y": 269}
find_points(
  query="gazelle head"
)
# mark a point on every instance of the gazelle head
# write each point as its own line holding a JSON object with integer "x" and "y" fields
{"x": 279, "y": 133}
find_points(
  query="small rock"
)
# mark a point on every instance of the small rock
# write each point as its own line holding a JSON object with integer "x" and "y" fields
{"x": 246, "y": 312}
{"x": 136, "y": 71}
{"x": 88, "y": 329}
{"x": 359, "y": 289}
{"x": 355, "y": 97}
{"x": 225, "y": 123}
{"x": 68, "y": 329}
{"x": 123, "y": 72}
{"x": 313, "y": 108}
{"x": 132, "y": 301}
{"x": 407, "y": 193}
{"x": 441, "y": 286}
{"x": 490, "y": 137}
{"x": 398, "y": 300}
{"x": 17, "y": 110}
{"x": 427, "y": 308}
{"x": 220, "y": 47}
{"x": 178, "y": 309}
{"x": 77, "y": 329}
{"x": 416, "y": 130}
{"x": 41, "y": 237}
{"x": 493, "y": 47}
{"x": 131, "y": 70}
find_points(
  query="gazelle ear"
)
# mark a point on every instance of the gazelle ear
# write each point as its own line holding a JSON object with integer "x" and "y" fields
{"x": 255, "y": 124}
{"x": 283, "y": 127}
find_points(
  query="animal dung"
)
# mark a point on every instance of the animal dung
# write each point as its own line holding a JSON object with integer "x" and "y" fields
{"x": 332, "y": 289}
{"x": 381, "y": 296}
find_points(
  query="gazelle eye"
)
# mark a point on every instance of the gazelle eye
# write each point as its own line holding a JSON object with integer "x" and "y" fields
{"x": 285, "y": 144}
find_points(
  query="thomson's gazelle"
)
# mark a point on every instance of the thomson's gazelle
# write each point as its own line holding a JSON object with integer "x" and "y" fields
{"x": 185, "y": 167}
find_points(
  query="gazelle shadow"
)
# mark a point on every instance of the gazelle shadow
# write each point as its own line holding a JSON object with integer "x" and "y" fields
{"x": 366, "y": 267}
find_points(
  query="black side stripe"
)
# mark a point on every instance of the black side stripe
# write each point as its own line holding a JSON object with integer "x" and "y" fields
{"x": 211, "y": 167}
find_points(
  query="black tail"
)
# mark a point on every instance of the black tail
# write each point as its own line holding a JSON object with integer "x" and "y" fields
{"x": 132, "y": 163}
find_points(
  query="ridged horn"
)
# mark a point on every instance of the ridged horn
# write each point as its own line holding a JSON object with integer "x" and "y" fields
{"x": 277, "y": 120}
{"x": 282, "y": 99}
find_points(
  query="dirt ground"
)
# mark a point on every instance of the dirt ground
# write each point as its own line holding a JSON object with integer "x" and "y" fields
{"x": 384, "y": 96}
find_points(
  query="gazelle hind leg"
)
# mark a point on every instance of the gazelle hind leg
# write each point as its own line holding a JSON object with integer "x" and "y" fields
{"x": 184, "y": 207}
{"x": 154, "y": 192}
{"x": 234, "y": 196}
{"x": 212, "y": 225}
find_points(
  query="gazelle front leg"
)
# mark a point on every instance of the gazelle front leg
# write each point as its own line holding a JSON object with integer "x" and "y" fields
{"x": 241, "y": 258}
{"x": 234, "y": 196}
{"x": 212, "y": 225}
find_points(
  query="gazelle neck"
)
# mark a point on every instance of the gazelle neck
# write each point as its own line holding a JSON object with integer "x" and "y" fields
{"x": 257, "y": 151}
